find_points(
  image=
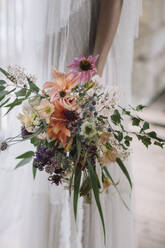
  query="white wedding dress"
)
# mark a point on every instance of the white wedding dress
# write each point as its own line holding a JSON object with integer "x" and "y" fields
{"x": 41, "y": 34}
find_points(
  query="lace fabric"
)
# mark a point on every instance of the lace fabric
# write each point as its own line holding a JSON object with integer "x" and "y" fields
{"x": 48, "y": 33}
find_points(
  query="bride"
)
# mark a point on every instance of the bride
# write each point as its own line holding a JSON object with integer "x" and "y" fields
{"x": 37, "y": 214}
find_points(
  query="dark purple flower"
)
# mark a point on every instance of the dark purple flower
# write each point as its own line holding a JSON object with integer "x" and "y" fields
{"x": 43, "y": 156}
{"x": 71, "y": 115}
{"x": 55, "y": 179}
{"x": 24, "y": 132}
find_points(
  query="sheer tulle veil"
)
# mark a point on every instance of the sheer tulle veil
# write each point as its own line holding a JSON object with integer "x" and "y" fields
{"x": 38, "y": 35}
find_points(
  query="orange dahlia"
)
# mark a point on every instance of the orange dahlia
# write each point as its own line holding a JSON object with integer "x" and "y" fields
{"x": 58, "y": 122}
{"x": 58, "y": 130}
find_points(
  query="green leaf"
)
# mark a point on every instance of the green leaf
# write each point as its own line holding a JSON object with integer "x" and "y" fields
{"x": 125, "y": 112}
{"x": 77, "y": 177}
{"x": 35, "y": 141}
{"x": 146, "y": 141}
{"x": 2, "y": 82}
{"x": 4, "y": 73}
{"x": 108, "y": 174}
{"x": 128, "y": 138}
{"x": 26, "y": 155}
{"x": 135, "y": 121}
{"x": 77, "y": 180}
{"x": 78, "y": 144}
{"x": 156, "y": 143}
{"x": 28, "y": 94}
{"x": 140, "y": 107}
{"x": 152, "y": 135}
{"x": 33, "y": 86}
{"x": 116, "y": 117}
{"x": 94, "y": 182}
{"x": 124, "y": 170}
{"x": 145, "y": 126}
{"x": 3, "y": 93}
{"x": 2, "y": 87}
{"x": 34, "y": 172}
{"x": 119, "y": 136}
{"x": 70, "y": 183}
{"x": 23, "y": 162}
{"x": 108, "y": 146}
{"x": 85, "y": 187}
{"x": 12, "y": 105}
{"x": 34, "y": 134}
{"x": 21, "y": 92}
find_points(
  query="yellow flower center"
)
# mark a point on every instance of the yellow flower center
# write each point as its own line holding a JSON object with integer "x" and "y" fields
{"x": 48, "y": 109}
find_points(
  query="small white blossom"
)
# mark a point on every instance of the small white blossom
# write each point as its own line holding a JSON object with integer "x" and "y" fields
{"x": 18, "y": 73}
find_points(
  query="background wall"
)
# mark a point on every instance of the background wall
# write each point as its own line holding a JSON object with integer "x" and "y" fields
{"x": 149, "y": 63}
{"x": 148, "y": 87}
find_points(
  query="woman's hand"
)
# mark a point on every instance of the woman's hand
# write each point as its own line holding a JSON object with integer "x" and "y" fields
{"x": 110, "y": 11}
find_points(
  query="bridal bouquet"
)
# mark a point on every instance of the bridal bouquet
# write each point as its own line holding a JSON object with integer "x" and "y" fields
{"x": 76, "y": 127}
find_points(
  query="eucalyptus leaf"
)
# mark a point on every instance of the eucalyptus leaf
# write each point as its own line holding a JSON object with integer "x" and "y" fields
{"x": 26, "y": 155}
{"x": 4, "y": 72}
{"x": 21, "y": 92}
{"x": 77, "y": 180}
{"x": 33, "y": 86}
{"x": 35, "y": 141}
{"x": 95, "y": 187}
{"x": 40, "y": 129}
{"x": 108, "y": 174}
{"x": 12, "y": 105}
{"x": 78, "y": 144}
{"x": 3, "y": 93}
{"x": 124, "y": 170}
{"x": 23, "y": 162}
{"x": 2, "y": 87}
{"x": 2, "y": 82}
{"x": 34, "y": 172}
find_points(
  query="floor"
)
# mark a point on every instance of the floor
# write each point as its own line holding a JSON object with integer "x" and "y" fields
{"x": 149, "y": 179}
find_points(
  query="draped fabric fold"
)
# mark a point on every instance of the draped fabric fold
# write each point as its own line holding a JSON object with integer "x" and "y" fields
{"x": 38, "y": 35}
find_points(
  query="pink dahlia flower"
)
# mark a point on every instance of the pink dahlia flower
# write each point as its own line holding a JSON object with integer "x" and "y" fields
{"x": 84, "y": 67}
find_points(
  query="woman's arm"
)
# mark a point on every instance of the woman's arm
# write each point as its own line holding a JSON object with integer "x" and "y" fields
{"x": 110, "y": 11}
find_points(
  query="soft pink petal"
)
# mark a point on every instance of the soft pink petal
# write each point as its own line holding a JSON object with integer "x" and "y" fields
{"x": 56, "y": 74}
{"x": 81, "y": 58}
{"x": 48, "y": 85}
{"x": 93, "y": 59}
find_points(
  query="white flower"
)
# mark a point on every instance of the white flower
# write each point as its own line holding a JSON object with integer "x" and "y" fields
{"x": 35, "y": 101}
{"x": 20, "y": 76}
{"x": 45, "y": 109}
{"x": 29, "y": 118}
